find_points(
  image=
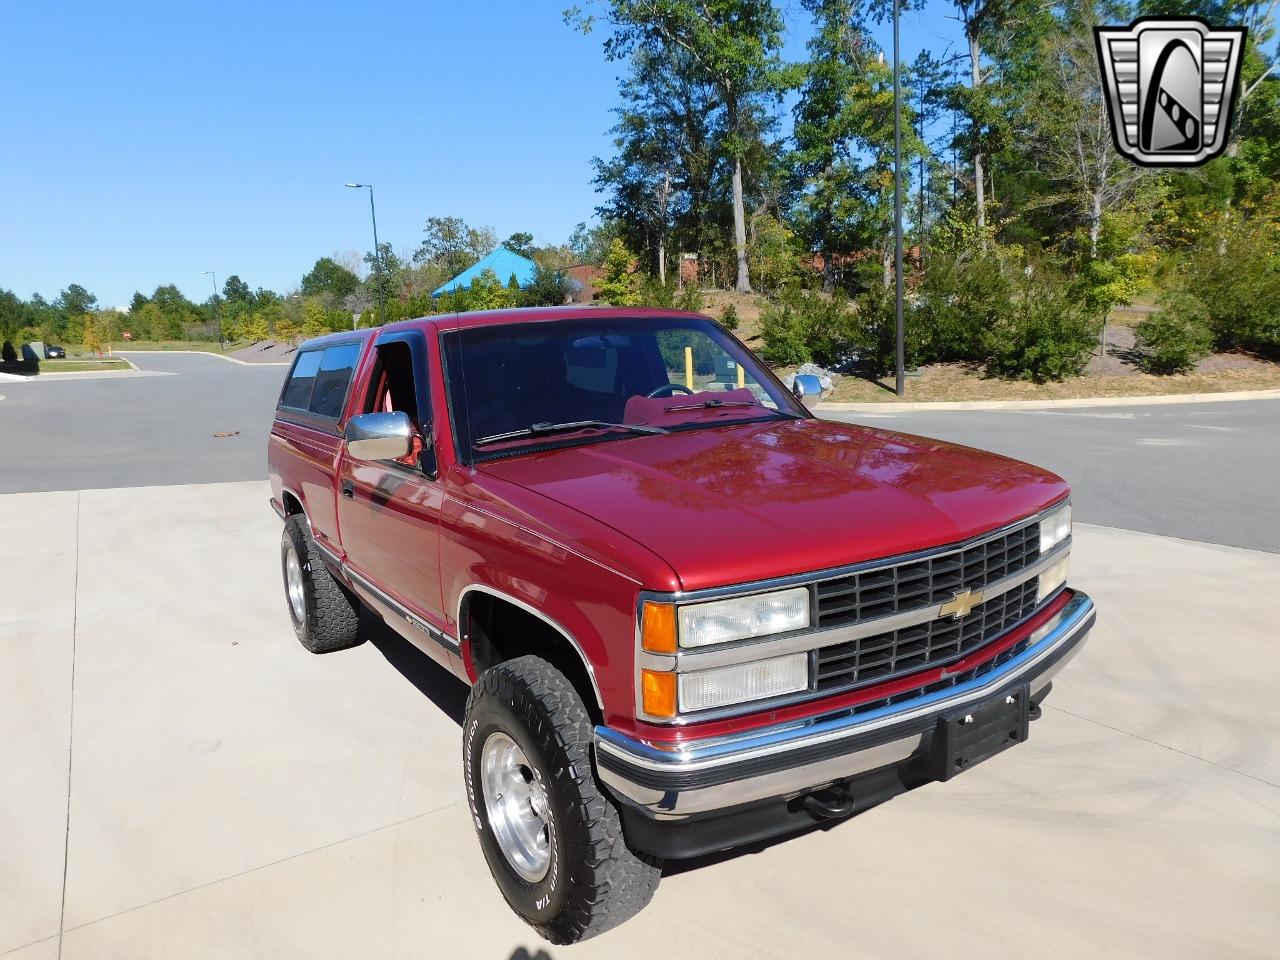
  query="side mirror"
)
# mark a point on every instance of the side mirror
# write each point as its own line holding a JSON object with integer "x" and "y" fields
{"x": 806, "y": 385}
{"x": 379, "y": 436}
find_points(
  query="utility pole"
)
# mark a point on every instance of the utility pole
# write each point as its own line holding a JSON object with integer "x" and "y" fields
{"x": 897, "y": 202}
{"x": 377, "y": 252}
{"x": 920, "y": 224}
{"x": 217, "y": 318}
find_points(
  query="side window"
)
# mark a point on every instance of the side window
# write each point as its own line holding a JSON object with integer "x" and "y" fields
{"x": 332, "y": 380}
{"x": 393, "y": 386}
{"x": 297, "y": 392}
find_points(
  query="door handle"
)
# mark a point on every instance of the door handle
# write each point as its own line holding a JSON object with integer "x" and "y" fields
{"x": 348, "y": 489}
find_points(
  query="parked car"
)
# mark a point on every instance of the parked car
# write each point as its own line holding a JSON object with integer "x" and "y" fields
{"x": 54, "y": 352}
{"x": 692, "y": 615}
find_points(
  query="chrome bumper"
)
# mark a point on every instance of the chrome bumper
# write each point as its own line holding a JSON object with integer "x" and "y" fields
{"x": 794, "y": 758}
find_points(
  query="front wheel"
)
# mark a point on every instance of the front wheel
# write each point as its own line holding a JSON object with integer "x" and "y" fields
{"x": 325, "y": 615}
{"x": 552, "y": 838}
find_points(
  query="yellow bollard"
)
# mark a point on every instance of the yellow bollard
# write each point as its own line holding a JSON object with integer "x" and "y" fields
{"x": 688, "y": 367}
{"x": 742, "y": 378}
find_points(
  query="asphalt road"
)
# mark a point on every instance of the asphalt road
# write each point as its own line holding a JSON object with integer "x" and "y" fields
{"x": 131, "y": 431}
{"x": 1198, "y": 471}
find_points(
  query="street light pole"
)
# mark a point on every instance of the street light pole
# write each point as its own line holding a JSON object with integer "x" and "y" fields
{"x": 897, "y": 202}
{"x": 377, "y": 252}
{"x": 217, "y": 317}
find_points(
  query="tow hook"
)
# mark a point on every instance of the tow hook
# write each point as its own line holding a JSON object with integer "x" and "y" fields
{"x": 832, "y": 803}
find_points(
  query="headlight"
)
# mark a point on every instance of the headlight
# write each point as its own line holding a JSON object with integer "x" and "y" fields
{"x": 743, "y": 682}
{"x": 1055, "y": 528}
{"x": 1052, "y": 578}
{"x": 742, "y": 617}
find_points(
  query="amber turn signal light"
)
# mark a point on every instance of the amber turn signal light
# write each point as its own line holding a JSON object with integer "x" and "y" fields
{"x": 658, "y": 628}
{"x": 659, "y": 693}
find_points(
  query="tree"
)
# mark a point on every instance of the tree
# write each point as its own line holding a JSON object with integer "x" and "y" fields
{"x": 521, "y": 243}
{"x": 449, "y": 242}
{"x": 329, "y": 279}
{"x": 844, "y": 119}
{"x": 734, "y": 45}
{"x": 660, "y": 178}
{"x": 315, "y": 322}
{"x": 591, "y": 244}
{"x": 618, "y": 285}
{"x": 75, "y": 300}
{"x": 236, "y": 292}
{"x": 13, "y": 315}
{"x": 1074, "y": 132}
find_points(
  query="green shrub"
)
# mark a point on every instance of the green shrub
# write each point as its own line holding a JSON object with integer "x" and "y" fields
{"x": 1172, "y": 340}
{"x": 807, "y": 326}
{"x": 1236, "y": 275}
{"x": 549, "y": 288}
{"x": 689, "y": 297}
{"x": 960, "y": 300}
{"x": 729, "y": 317}
{"x": 652, "y": 293}
{"x": 1042, "y": 336}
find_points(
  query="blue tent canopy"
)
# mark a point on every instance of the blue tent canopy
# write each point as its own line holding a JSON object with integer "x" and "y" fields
{"x": 502, "y": 262}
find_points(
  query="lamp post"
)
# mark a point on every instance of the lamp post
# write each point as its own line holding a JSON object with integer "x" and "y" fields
{"x": 377, "y": 253}
{"x": 217, "y": 318}
{"x": 897, "y": 202}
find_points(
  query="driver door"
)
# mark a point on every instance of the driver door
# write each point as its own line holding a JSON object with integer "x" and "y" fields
{"x": 389, "y": 510}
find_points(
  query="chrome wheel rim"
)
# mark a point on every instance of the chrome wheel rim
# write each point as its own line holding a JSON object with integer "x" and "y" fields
{"x": 293, "y": 584}
{"x": 515, "y": 798}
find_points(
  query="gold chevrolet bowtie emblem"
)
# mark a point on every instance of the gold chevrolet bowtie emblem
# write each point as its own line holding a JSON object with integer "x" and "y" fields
{"x": 960, "y": 604}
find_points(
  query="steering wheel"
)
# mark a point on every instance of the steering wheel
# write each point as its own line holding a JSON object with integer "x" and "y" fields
{"x": 669, "y": 390}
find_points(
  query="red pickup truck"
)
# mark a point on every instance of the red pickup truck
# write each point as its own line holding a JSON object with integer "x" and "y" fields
{"x": 692, "y": 615}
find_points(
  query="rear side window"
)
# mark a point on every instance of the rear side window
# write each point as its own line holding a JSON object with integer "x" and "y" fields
{"x": 297, "y": 391}
{"x": 332, "y": 380}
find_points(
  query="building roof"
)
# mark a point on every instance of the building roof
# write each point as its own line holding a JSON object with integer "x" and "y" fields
{"x": 502, "y": 262}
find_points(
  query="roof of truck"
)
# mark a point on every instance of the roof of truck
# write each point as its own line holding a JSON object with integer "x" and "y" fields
{"x": 489, "y": 318}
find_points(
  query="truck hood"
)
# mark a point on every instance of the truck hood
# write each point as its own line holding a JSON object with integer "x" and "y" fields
{"x": 734, "y": 504}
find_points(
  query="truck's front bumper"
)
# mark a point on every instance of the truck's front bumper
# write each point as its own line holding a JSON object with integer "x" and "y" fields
{"x": 724, "y": 778}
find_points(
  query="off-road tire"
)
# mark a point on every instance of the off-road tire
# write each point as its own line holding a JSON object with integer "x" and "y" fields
{"x": 595, "y": 881}
{"x": 331, "y": 617}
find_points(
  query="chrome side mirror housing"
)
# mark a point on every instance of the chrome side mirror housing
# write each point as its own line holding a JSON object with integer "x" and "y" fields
{"x": 806, "y": 385}
{"x": 379, "y": 436}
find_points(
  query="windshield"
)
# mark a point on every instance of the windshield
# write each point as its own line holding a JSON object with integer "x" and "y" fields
{"x": 520, "y": 387}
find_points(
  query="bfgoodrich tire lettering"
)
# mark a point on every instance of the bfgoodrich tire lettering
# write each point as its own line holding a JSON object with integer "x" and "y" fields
{"x": 325, "y": 615}
{"x": 594, "y": 881}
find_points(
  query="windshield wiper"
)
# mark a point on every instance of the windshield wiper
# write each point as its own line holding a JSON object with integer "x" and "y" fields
{"x": 710, "y": 405}
{"x": 542, "y": 429}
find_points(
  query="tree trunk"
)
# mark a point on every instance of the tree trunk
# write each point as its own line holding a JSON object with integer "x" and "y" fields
{"x": 662, "y": 261}
{"x": 828, "y": 271}
{"x": 886, "y": 263}
{"x": 979, "y": 174}
{"x": 1095, "y": 223}
{"x": 740, "y": 229}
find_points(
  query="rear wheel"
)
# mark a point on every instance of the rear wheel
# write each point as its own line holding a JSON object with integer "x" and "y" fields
{"x": 325, "y": 614}
{"x": 552, "y": 838}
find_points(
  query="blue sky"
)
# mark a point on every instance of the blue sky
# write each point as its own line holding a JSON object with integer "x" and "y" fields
{"x": 147, "y": 142}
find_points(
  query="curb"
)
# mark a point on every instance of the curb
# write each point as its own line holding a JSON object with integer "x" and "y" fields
{"x": 1159, "y": 399}
{"x": 209, "y": 353}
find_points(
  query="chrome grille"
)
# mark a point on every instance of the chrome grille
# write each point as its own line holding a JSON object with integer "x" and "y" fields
{"x": 921, "y": 583}
{"x": 869, "y": 659}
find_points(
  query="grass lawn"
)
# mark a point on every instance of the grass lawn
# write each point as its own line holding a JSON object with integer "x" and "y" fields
{"x": 80, "y": 366}
{"x": 957, "y": 382}
{"x": 204, "y": 346}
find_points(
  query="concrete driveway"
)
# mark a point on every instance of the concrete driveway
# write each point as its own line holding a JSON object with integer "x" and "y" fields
{"x": 183, "y": 780}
